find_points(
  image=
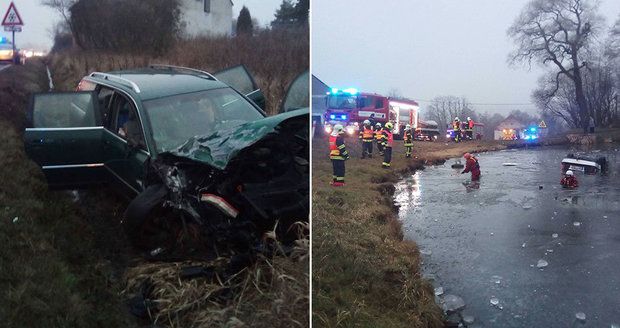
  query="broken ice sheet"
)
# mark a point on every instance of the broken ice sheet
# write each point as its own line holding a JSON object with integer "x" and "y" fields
{"x": 496, "y": 279}
{"x": 468, "y": 319}
{"x": 542, "y": 263}
{"x": 15, "y": 219}
{"x": 453, "y": 303}
{"x": 576, "y": 223}
{"x": 555, "y": 235}
{"x": 438, "y": 291}
{"x": 580, "y": 316}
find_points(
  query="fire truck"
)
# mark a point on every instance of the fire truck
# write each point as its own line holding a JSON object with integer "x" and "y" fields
{"x": 350, "y": 108}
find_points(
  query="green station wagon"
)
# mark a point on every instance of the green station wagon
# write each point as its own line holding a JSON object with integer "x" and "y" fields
{"x": 188, "y": 147}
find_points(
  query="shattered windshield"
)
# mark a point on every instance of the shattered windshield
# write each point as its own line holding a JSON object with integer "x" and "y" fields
{"x": 177, "y": 118}
{"x": 342, "y": 101}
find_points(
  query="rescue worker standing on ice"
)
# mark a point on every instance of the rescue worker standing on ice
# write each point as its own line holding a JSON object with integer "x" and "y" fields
{"x": 408, "y": 140}
{"x": 337, "y": 154}
{"x": 569, "y": 180}
{"x": 388, "y": 142}
{"x": 457, "y": 129}
{"x": 367, "y": 135}
{"x": 472, "y": 165}
{"x": 379, "y": 138}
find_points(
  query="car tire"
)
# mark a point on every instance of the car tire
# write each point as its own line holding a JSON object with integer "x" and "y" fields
{"x": 140, "y": 211}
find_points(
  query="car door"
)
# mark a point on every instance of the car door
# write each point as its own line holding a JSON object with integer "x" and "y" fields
{"x": 239, "y": 78}
{"x": 298, "y": 94}
{"x": 124, "y": 145}
{"x": 64, "y": 138}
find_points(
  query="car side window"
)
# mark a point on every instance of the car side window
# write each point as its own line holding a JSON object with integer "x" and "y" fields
{"x": 127, "y": 122}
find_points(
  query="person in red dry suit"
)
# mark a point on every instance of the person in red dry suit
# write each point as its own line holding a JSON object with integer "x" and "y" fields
{"x": 569, "y": 180}
{"x": 472, "y": 165}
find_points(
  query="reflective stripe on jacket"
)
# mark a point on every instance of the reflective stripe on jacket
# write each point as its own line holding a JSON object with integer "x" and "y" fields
{"x": 337, "y": 149}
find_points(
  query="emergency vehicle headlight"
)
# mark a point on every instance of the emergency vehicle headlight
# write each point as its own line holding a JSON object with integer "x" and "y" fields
{"x": 350, "y": 130}
{"x": 448, "y": 135}
{"x": 334, "y": 90}
{"x": 533, "y": 129}
{"x": 351, "y": 91}
{"x": 328, "y": 129}
{"x": 356, "y": 124}
{"x": 526, "y": 137}
{"x": 534, "y": 137}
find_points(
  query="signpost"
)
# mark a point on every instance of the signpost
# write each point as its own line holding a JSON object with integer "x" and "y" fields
{"x": 12, "y": 22}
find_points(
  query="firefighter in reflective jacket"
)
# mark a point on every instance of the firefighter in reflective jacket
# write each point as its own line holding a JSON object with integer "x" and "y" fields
{"x": 337, "y": 154}
{"x": 379, "y": 138}
{"x": 388, "y": 142}
{"x": 408, "y": 139}
{"x": 470, "y": 128}
{"x": 456, "y": 125}
{"x": 367, "y": 135}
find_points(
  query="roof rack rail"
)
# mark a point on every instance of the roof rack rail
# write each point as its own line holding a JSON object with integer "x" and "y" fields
{"x": 111, "y": 77}
{"x": 184, "y": 69}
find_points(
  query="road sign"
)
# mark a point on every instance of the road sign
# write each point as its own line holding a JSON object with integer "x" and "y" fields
{"x": 12, "y": 18}
{"x": 12, "y": 28}
{"x": 542, "y": 125}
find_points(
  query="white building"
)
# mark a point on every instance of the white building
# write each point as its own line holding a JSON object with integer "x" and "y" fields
{"x": 207, "y": 17}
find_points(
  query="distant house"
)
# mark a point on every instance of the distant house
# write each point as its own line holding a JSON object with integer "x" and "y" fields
{"x": 206, "y": 17}
{"x": 508, "y": 129}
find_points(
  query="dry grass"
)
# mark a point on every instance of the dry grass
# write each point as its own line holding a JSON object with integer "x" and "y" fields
{"x": 364, "y": 274}
{"x": 274, "y": 58}
{"x": 270, "y": 293}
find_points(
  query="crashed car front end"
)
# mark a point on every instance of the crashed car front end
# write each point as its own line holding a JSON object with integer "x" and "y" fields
{"x": 236, "y": 183}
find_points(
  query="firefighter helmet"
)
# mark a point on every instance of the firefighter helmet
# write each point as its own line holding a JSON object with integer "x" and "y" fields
{"x": 366, "y": 122}
{"x": 338, "y": 129}
{"x": 407, "y": 127}
{"x": 569, "y": 173}
{"x": 469, "y": 118}
{"x": 456, "y": 119}
{"x": 378, "y": 125}
{"x": 389, "y": 125}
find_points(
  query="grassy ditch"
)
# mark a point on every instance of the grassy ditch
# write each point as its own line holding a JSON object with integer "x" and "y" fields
{"x": 65, "y": 261}
{"x": 364, "y": 273}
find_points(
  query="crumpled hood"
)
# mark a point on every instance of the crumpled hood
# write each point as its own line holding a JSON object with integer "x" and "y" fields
{"x": 219, "y": 148}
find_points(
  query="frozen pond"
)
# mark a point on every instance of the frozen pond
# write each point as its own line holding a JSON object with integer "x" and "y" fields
{"x": 519, "y": 255}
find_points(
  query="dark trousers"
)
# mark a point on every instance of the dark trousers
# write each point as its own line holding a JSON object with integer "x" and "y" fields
{"x": 408, "y": 150}
{"x": 387, "y": 157}
{"x": 379, "y": 147}
{"x": 338, "y": 166}
{"x": 367, "y": 149}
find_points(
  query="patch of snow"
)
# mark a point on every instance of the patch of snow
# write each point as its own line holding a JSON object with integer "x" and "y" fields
{"x": 580, "y": 316}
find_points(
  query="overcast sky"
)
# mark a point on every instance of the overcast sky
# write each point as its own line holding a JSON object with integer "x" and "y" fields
{"x": 39, "y": 20}
{"x": 425, "y": 48}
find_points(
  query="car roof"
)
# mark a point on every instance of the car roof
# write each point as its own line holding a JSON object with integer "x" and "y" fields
{"x": 157, "y": 83}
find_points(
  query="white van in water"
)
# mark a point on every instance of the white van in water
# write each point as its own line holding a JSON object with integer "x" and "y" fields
{"x": 584, "y": 164}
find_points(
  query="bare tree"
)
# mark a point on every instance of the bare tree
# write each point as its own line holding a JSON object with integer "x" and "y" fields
{"x": 557, "y": 32}
{"x": 443, "y": 109}
{"x": 63, "y": 7}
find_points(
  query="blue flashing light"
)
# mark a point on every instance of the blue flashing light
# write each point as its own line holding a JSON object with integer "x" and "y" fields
{"x": 335, "y": 90}
{"x": 3, "y": 40}
{"x": 526, "y": 137}
{"x": 344, "y": 117}
{"x": 332, "y": 116}
{"x": 533, "y": 129}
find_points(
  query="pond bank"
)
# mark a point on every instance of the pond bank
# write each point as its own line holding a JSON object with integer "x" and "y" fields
{"x": 364, "y": 272}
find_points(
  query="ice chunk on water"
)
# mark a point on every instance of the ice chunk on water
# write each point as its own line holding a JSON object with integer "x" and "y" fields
{"x": 523, "y": 245}
{"x": 496, "y": 279}
{"x": 527, "y": 207}
{"x": 542, "y": 263}
{"x": 438, "y": 291}
{"x": 555, "y": 235}
{"x": 580, "y": 316}
{"x": 452, "y": 303}
{"x": 468, "y": 319}
{"x": 604, "y": 216}
{"x": 15, "y": 219}
{"x": 494, "y": 301}
{"x": 425, "y": 252}
{"x": 576, "y": 223}
{"x": 615, "y": 325}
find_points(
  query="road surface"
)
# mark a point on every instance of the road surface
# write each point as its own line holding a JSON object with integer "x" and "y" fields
{"x": 4, "y": 66}
{"x": 518, "y": 255}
